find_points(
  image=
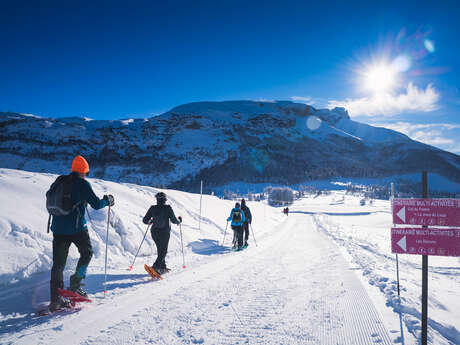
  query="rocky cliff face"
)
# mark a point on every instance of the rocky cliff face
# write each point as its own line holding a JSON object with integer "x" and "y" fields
{"x": 221, "y": 142}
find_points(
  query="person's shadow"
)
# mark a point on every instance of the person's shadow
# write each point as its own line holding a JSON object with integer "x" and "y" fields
{"x": 207, "y": 247}
{"x": 20, "y": 302}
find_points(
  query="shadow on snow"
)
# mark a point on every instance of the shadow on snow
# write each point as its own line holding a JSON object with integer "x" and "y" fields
{"x": 20, "y": 302}
{"x": 207, "y": 247}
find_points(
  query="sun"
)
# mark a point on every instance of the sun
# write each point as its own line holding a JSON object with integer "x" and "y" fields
{"x": 380, "y": 79}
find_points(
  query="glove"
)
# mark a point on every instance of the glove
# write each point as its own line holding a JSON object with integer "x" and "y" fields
{"x": 180, "y": 219}
{"x": 150, "y": 221}
{"x": 109, "y": 199}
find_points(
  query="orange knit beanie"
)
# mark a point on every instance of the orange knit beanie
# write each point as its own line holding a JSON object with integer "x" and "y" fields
{"x": 80, "y": 165}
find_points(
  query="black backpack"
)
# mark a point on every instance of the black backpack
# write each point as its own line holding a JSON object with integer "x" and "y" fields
{"x": 59, "y": 197}
{"x": 160, "y": 222}
{"x": 236, "y": 218}
{"x": 160, "y": 217}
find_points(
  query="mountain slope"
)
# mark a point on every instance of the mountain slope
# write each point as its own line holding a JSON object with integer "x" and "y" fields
{"x": 221, "y": 142}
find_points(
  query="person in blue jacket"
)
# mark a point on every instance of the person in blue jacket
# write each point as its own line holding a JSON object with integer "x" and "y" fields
{"x": 70, "y": 229}
{"x": 237, "y": 218}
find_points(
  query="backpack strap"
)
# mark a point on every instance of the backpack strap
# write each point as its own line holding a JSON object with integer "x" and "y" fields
{"x": 90, "y": 219}
{"x": 49, "y": 221}
{"x": 75, "y": 207}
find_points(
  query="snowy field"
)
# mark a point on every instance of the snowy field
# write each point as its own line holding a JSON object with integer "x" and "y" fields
{"x": 323, "y": 275}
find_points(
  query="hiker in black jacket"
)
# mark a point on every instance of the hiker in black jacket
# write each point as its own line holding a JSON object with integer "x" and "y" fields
{"x": 159, "y": 216}
{"x": 247, "y": 221}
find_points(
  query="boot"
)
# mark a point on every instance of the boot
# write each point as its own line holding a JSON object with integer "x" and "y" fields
{"x": 76, "y": 284}
{"x": 54, "y": 286}
{"x": 166, "y": 270}
{"x": 157, "y": 269}
{"x": 59, "y": 303}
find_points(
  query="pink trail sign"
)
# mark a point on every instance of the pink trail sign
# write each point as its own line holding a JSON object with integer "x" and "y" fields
{"x": 424, "y": 241}
{"x": 430, "y": 212}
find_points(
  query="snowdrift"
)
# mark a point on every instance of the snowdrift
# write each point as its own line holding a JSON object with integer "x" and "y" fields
{"x": 27, "y": 248}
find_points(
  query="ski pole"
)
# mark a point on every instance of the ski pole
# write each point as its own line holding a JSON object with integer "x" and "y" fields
{"x": 252, "y": 230}
{"x": 131, "y": 267}
{"x": 225, "y": 231}
{"x": 106, "y": 242}
{"x": 182, "y": 244}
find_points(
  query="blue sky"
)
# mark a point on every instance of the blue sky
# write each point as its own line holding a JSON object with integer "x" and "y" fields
{"x": 393, "y": 64}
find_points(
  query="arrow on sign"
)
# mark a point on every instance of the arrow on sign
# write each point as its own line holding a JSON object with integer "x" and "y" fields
{"x": 402, "y": 243}
{"x": 402, "y": 214}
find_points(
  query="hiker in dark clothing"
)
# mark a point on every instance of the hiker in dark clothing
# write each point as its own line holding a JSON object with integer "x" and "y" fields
{"x": 237, "y": 218}
{"x": 72, "y": 228}
{"x": 159, "y": 216}
{"x": 247, "y": 221}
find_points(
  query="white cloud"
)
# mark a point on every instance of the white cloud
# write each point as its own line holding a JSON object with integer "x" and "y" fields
{"x": 31, "y": 115}
{"x": 306, "y": 100}
{"x": 266, "y": 100}
{"x": 413, "y": 99}
{"x": 442, "y": 135}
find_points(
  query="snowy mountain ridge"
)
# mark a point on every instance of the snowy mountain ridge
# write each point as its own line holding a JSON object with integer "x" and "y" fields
{"x": 221, "y": 142}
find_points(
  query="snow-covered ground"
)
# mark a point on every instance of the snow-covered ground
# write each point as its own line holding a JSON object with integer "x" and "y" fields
{"x": 323, "y": 275}
{"x": 364, "y": 236}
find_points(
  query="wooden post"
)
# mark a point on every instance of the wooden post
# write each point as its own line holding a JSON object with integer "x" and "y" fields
{"x": 397, "y": 259}
{"x": 424, "y": 273}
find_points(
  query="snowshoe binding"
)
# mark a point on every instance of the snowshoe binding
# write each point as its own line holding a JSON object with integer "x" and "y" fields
{"x": 76, "y": 284}
{"x": 61, "y": 303}
{"x": 79, "y": 291}
{"x": 73, "y": 296}
{"x": 152, "y": 272}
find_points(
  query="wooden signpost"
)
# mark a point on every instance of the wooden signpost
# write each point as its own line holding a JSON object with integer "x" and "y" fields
{"x": 437, "y": 235}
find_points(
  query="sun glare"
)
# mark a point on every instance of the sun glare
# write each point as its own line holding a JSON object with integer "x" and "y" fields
{"x": 380, "y": 79}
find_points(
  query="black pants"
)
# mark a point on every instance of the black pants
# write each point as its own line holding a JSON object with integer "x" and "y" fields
{"x": 238, "y": 232}
{"x": 246, "y": 231}
{"x": 61, "y": 244}
{"x": 161, "y": 238}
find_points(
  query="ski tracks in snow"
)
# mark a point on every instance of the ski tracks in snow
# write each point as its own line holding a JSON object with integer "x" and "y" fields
{"x": 294, "y": 288}
{"x": 371, "y": 260}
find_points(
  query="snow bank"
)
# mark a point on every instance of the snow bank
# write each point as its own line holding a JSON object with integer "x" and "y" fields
{"x": 27, "y": 249}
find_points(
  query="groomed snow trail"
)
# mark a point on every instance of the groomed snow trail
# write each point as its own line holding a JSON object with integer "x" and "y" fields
{"x": 294, "y": 288}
